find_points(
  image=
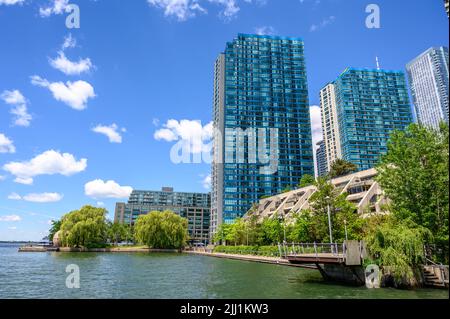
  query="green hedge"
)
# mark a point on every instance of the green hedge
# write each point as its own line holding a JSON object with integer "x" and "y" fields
{"x": 271, "y": 251}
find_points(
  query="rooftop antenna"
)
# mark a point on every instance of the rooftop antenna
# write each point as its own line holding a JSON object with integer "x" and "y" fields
{"x": 378, "y": 63}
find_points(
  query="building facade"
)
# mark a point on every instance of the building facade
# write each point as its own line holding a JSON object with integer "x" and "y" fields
{"x": 321, "y": 160}
{"x": 366, "y": 106}
{"x": 330, "y": 126}
{"x": 429, "y": 84}
{"x": 262, "y": 141}
{"x": 361, "y": 189}
{"x": 195, "y": 207}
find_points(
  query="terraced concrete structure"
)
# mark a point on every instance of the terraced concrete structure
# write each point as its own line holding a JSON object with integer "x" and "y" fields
{"x": 361, "y": 188}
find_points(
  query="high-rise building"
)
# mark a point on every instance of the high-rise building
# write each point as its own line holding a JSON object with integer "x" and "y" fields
{"x": 262, "y": 142}
{"x": 195, "y": 207}
{"x": 360, "y": 109}
{"x": 330, "y": 126}
{"x": 446, "y": 7}
{"x": 429, "y": 81}
{"x": 321, "y": 160}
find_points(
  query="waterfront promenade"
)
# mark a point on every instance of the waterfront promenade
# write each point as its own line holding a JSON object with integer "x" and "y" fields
{"x": 253, "y": 258}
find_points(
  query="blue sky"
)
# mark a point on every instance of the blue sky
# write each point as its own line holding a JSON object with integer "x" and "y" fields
{"x": 87, "y": 114}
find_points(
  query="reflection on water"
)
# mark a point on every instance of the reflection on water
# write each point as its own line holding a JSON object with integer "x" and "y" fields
{"x": 122, "y": 275}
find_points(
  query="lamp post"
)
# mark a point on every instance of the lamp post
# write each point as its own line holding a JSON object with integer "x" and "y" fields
{"x": 345, "y": 227}
{"x": 329, "y": 218}
{"x": 281, "y": 219}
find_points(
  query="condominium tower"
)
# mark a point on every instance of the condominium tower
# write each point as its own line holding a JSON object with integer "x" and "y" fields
{"x": 321, "y": 160}
{"x": 428, "y": 80}
{"x": 360, "y": 109}
{"x": 195, "y": 207}
{"x": 262, "y": 140}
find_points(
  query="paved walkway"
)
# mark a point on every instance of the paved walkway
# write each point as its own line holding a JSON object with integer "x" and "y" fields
{"x": 260, "y": 259}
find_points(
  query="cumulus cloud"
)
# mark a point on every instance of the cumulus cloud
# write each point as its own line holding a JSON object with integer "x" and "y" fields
{"x": 316, "y": 124}
{"x": 63, "y": 64}
{"x": 10, "y": 218}
{"x": 48, "y": 163}
{"x": 14, "y": 196}
{"x": 11, "y": 2}
{"x": 265, "y": 30}
{"x": 325, "y": 22}
{"x": 19, "y": 107}
{"x": 68, "y": 67}
{"x": 69, "y": 42}
{"x": 54, "y": 7}
{"x": 111, "y": 131}
{"x": 74, "y": 94}
{"x": 192, "y": 133}
{"x": 37, "y": 198}
{"x": 206, "y": 182}
{"x": 185, "y": 9}
{"x": 6, "y": 145}
{"x": 109, "y": 189}
{"x": 181, "y": 9}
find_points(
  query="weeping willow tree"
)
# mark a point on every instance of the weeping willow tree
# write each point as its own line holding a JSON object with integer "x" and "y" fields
{"x": 84, "y": 227}
{"x": 398, "y": 247}
{"x": 162, "y": 230}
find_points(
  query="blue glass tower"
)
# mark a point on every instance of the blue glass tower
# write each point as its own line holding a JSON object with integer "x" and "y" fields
{"x": 368, "y": 104}
{"x": 260, "y": 95}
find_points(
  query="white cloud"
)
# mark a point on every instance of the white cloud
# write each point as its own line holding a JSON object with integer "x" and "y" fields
{"x": 109, "y": 189}
{"x": 316, "y": 124}
{"x": 181, "y": 9}
{"x": 190, "y": 132}
{"x": 186, "y": 9}
{"x": 100, "y": 204}
{"x": 10, "y": 218}
{"x": 12, "y": 228}
{"x": 11, "y": 2}
{"x": 48, "y": 163}
{"x": 68, "y": 67}
{"x": 14, "y": 196}
{"x": 54, "y": 7}
{"x": 20, "y": 110}
{"x": 265, "y": 30}
{"x": 325, "y": 22}
{"x": 110, "y": 131}
{"x": 69, "y": 42}
{"x": 74, "y": 94}
{"x": 206, "y": 182}
{"x": 37, "y": 198}
{"x": 43, "y": 197}
{"x": 6, "y": 145}
{"x": 2, "y": 178}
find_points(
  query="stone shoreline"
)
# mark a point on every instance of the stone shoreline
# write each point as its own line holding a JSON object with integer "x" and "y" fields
{"x": 96, "y": 250}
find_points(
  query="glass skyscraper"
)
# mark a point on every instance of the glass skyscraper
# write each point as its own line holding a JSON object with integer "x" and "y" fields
{"x": 429, "y": 83}
{"x": 195, "y": 207}
{"x": 365, "y": 106}
{"x": 262, "y": 140}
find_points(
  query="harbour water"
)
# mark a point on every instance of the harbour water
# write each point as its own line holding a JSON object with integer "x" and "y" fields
{"x": 173, "y": 276}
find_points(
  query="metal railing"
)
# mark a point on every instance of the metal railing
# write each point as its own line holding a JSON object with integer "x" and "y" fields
{"x": 315, "y": 249}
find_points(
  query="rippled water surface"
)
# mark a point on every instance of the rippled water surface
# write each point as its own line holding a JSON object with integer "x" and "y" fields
{"x": 107, "y": 275}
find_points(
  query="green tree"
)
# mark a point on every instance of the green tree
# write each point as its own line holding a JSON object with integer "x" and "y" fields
{"x": 306, "y": 180}
{"x": 272, "y": 230}
{"x": 116, "y": 232}
{"x": 84, "y": 227}
{"x": 397, "y": 246}
{"x": 342, "y": 167}
{"x": 162, "y": 230}
{"x": 342, "y": 212}
{"x": 414, "y": 176}
{"x": 56, "y": 226}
